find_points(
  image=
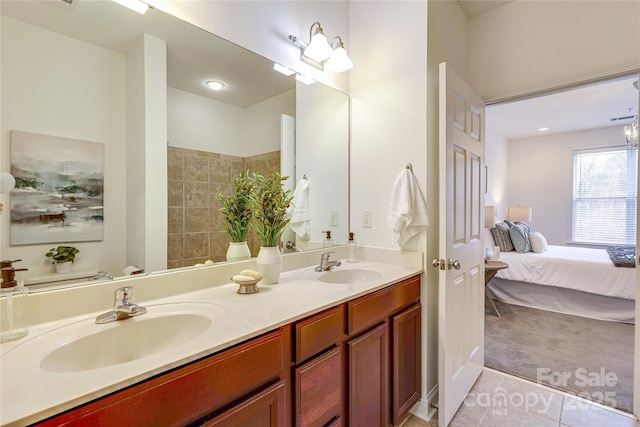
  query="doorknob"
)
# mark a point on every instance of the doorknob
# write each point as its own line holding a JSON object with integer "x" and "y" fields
{"x": 438, "y": 263}
{"x": 451, "y": 263}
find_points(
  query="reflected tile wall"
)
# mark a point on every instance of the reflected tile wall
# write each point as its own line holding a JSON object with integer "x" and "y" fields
{"x": 195, "y": 178}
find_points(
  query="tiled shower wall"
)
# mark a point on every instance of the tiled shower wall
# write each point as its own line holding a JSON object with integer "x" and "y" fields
{"x": 195, "y": 178}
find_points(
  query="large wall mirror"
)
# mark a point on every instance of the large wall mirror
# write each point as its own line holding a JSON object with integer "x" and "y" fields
{"x": 68, "y": 70}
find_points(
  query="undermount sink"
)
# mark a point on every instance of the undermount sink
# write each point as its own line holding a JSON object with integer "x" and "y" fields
{"x": 163, "y": 328}
{"x": 354, "y": 275}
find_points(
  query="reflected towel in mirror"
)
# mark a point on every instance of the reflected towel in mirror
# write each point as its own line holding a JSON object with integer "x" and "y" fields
{"x": 300, "y": 210}
{"x": 407, "y": 209}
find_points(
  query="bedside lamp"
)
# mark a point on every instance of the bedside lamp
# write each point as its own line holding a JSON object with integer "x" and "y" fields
{"x": 489, "y": 216}
{"x": 519, "y": 213}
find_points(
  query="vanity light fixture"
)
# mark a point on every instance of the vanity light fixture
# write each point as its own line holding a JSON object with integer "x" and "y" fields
{"x": 339, "y": 61}
{"x": 543, "y": 129}
{"x": 135, "y": 5}
{"x": 318, "y": 48}
{"x": 304, "y": 79}
{"x": 318, "y": 51}
{"x": 215, "y": 85}
{"x": 282, "y": 69}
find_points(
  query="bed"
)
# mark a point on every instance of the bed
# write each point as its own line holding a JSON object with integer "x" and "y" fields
{"x": 567, "y": 279}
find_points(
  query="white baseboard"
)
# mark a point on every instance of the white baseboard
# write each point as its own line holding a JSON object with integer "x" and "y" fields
{"x": 427, "y": 406}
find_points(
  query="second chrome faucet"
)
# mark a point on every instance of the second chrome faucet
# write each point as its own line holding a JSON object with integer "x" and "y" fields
{"x": 123, "y": 308}
{"x": 325, "y": 264}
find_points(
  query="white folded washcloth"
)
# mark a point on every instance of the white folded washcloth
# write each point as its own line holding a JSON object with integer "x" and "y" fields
{"x": 407, "y": 209}
{"x": 300, "y": 212}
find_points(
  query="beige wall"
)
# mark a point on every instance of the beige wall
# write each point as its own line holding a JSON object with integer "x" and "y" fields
{"x": 527, "y": 46}
{"x": 541, "y": 176}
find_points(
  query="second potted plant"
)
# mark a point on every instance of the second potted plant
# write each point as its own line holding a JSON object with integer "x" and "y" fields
{"x": 268, "y": 201}
{"x": 63, "y": 257}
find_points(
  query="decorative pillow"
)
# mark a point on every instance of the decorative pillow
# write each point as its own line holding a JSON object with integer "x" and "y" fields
{"x": 501, "y": 237}
{"x": 519, "y": 234}
{"x": 538, "y": 242}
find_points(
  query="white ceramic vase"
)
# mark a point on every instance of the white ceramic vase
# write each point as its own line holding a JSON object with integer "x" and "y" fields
{"x": 238, "y": 251}
{"x": 63, "y": 267}
{"x": 269, "y": 262}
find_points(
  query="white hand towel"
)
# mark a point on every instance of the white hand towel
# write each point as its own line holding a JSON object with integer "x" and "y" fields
{"x": 300, "y": 213}
{"x": 407, "y": 209}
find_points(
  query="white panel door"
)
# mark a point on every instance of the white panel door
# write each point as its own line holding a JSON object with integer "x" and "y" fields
{"x": 461, "y": 261}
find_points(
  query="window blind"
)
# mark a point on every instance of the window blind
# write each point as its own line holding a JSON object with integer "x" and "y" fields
{"x": 605, "y": 196}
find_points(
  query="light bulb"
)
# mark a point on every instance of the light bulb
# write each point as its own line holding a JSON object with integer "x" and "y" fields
{"x": 318, "y": 48}
{"x": 339, "y": 61}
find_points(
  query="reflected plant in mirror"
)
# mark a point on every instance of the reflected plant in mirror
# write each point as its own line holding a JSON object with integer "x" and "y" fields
{"x": 236, "y": 217}
{"x": 269, "y": 202}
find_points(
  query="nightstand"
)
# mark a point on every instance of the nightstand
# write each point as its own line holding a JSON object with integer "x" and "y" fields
{"x": 490, "y": 270}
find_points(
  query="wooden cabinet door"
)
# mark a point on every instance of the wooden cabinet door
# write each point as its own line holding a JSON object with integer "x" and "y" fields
{"x": 319, "y": 390}
{"x": 368, "y": 378}
{"x": 265, "y": 409}
{"x": 405, "y": 356}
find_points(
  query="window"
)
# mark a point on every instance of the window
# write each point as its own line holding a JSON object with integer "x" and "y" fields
{"x": 605, "y": 196}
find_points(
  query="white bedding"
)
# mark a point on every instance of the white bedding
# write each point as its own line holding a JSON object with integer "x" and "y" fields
{"x": 583, "y": 269}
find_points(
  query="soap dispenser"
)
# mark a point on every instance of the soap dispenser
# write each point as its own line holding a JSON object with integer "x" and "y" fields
{"x": 352, "y": 247}
{"x": 13, "y": 316}
{"x": 328, "y": 241}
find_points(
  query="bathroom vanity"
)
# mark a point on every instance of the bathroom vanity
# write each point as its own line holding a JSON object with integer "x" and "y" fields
{"x": 317, "y": 349}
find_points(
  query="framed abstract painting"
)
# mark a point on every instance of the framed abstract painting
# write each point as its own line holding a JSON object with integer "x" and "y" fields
{"x": 58, "y": 196}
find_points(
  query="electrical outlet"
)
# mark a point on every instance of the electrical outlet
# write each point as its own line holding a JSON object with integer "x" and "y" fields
{"x": 366, "y": 219}
{"x": 333, "y": 218}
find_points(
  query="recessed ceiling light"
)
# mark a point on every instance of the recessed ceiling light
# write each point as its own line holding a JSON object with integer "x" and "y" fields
{"x": 543, "y": 129}
{"x": 282, "y": 69}
{"x": 215, "y": 85}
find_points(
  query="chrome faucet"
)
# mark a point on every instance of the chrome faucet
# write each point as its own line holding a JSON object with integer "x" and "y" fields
{"x": 292, "y": 246}
{"x": 325, "y": 264}
{"x": 123, "y": 308}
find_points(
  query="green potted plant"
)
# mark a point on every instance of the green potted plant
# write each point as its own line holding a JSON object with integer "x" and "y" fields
{"x": 268, "y": 201}
{"x": 237, "y": 215}
{"x": 63, "y": 257}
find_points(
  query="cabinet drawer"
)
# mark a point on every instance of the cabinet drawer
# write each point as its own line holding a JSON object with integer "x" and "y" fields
{"x": 188, "y": 393}
{"x": 317, "y": 333}
{"x": 371, "y": 309}
{"x": 319, "y": 390}
{"x": 266, "y": 409}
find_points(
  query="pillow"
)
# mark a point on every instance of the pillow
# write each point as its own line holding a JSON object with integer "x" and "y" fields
{"x": 519, "y": 234}
{"x": 501, "y": 237}
{"x": 538, "y": 242}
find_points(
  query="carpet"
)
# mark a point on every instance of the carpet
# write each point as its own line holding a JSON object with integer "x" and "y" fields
{"x": 586, "y": 357}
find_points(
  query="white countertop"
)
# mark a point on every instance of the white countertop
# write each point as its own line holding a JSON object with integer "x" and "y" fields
{"x": 29, "y": 393}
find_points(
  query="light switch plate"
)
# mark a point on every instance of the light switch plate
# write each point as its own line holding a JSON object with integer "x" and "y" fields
{"x": 333, "y": 218}
{"x": 366, "y": 219}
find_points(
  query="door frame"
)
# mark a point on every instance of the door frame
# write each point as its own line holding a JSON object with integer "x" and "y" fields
{"x": 574, "y": 84}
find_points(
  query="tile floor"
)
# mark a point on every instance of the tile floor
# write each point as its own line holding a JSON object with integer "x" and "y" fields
{"x": 500, "y": 400}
